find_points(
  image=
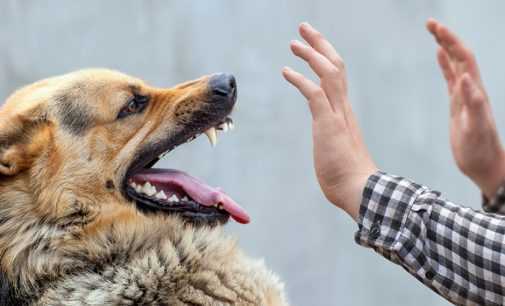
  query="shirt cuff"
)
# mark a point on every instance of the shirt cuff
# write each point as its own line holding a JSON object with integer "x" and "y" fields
{"x": 497, "y": 203}
{"x": 387, "y": 202}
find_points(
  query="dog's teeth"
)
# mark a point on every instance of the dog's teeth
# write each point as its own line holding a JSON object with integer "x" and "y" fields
{"x": 212, "y": 135}
{"x": 161, "y": 195}
{"x": 135, "y": 187}
{"x": 185, "y": 198}
{"x": 220, "y": 206}
{"x": 174, "y": 198}
{"x": 149, "y": 189}
{"x": 231, "y": 126}
{"x": 224, "y": 126}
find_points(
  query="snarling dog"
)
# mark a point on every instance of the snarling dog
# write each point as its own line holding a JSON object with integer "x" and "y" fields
{"x": 85, "y": 220}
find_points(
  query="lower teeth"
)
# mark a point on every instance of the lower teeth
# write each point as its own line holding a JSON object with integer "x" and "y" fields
{"x": 161, "y": 195}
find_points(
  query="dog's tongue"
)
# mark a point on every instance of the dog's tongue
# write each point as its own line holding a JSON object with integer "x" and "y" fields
{"x": 196, "y": 189}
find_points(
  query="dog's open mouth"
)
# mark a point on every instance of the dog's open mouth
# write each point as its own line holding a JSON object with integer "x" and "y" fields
{"x": 175, "y": 192}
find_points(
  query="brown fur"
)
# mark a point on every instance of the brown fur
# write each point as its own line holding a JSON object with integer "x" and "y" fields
{"x": 68, "y": 236}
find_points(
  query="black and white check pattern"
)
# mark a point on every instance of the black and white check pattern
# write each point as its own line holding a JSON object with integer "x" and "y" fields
{"x": 456, "y": 251}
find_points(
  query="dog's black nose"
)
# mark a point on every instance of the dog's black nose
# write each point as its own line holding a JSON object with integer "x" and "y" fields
{"x": 223, "y": 84}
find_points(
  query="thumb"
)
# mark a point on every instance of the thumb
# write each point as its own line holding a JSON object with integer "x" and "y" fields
{"x": 472, "y": 95}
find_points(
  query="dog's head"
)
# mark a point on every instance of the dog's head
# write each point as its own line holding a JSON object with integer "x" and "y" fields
{"x": 80, "y": 147}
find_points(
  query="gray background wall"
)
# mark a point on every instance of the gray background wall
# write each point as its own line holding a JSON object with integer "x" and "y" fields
{"x": 395, "y": 85}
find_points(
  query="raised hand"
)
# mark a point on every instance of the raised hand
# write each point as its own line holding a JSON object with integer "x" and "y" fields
{"x": 341, "y": 160}
{"x": 475, "y": 143}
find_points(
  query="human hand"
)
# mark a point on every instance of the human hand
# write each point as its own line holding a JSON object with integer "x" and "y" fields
{"x": 475, "y": 143}
{"x": 341, "y": 159}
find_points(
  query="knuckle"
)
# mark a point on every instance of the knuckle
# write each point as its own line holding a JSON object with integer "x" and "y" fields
{"x": 478, "y": 100}
{"x": 341, "y": 63}
{"x": 334, "y": 72}
{"x": 318, "y": 35}
{"x": 316, "y": 93}
{"x": 338, "y": 61}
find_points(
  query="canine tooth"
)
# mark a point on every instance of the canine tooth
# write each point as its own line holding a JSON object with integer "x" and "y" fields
{"x": 138, "y": 189}
{"x": 231, "y": 126}
{"x": 224, "y": 126}
{"x": 133, "y": 185}
{"x": 149, "y": 189}
{"x": 161, "y": 195}
{"x": 144, "y": 188}
{"x": 185, "y": 198}
{"x": 174, "y": 198}
{"x": 220, "y": 206}
{"x": 212, "y": 135}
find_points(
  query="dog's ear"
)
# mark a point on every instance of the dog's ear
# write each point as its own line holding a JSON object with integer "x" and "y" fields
{"x": 22, "y": 137}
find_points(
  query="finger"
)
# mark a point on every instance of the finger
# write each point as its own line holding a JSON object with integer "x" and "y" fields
{"x": 431, "y": 25}
{"x": 317, "y": 41}
{"x": 453, "y": 45}
{"x": 320, "y": 64}
{"x": 447, "y": 40}
{"x": 446, "y": 67}
{"x": 318, "y": 102}
{"x": 472, "y": 96}
{"x": 330, "y": 75}
{"x": 461, "y": 58}
{"x": 456, "y": 99}
{"x": 332, "y": 81}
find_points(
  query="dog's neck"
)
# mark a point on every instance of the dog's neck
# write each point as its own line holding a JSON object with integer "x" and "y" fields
{"x": 8, "y": 293}
{"x": 37, "y": 251}
{"x": 28, "y": 239}
{"x": 14, "y": 229}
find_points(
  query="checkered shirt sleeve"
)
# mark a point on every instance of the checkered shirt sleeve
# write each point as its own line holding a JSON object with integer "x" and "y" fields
{"x": 457, "y": 252}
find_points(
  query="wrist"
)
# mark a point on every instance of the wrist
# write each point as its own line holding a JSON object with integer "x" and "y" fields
{"x": 491, "y": 181}
{"x": 350, "y": 197}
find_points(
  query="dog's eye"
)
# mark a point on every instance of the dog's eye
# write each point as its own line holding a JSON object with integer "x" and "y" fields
{"x": 136, "y": 105}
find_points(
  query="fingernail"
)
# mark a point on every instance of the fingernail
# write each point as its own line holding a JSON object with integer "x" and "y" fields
{"x": 305, "y": 24}
{"x": 296, "y": 42}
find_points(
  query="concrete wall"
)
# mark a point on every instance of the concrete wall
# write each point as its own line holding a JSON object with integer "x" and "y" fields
{"x": 396, "y": 89}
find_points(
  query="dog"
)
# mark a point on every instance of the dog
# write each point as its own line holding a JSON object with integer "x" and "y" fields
{"x": 86, "y": 220}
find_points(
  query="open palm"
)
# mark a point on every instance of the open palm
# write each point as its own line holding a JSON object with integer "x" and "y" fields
{"x": 474, "y": 139}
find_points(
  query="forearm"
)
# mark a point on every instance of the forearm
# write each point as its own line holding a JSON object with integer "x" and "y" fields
{"x": 455, "y": 251}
